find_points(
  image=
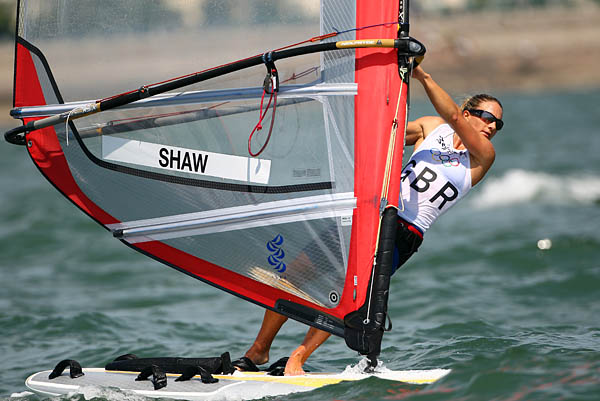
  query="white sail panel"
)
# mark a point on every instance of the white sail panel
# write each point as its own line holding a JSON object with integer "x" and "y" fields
{"x": 194, "y": 161}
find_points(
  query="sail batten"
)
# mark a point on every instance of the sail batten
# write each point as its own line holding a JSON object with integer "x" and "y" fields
{"x": 238, "y": 218}
{"x": 197, "y": 97}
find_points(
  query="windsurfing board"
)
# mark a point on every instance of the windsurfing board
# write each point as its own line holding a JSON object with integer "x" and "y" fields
{"x": 236, "y": 386}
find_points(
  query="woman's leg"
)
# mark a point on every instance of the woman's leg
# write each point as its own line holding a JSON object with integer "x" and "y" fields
{"x": 259, "y": 351}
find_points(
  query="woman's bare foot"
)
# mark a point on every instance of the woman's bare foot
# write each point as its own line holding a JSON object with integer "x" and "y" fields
{"x": 293, "y": 367}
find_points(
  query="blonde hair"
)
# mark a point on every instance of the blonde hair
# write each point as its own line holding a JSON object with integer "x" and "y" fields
{"x": 475, "y": 101}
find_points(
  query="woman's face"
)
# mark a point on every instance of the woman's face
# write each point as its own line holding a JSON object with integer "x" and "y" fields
{"x": 486, "y": 126}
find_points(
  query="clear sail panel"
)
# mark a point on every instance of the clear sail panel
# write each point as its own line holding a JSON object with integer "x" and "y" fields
{"x": 185, "y": 168}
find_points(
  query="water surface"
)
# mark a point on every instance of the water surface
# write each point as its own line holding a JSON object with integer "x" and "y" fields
{"x": 513, "y": 322}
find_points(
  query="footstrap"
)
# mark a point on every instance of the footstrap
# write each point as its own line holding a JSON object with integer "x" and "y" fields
{"x": 227, "y": 367}
{"x": 278, "y": 368}
{"x": 245, "y": 364}
{"x": 75, "y": 370}
{"x": 130, "y": 363}
{"x": 159, "y": 378}
{"x": 192, "y": 371}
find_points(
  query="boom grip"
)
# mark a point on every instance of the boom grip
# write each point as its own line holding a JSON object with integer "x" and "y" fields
{"x": 16, "y": 136}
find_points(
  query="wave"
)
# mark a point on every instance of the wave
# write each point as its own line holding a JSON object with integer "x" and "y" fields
{"x": 522, "y": 186}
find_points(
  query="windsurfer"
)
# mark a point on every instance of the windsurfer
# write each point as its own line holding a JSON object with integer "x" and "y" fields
{"x": 453, "y": 152}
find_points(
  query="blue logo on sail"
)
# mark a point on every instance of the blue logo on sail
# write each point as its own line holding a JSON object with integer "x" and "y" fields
{"x": 275, "y": 259}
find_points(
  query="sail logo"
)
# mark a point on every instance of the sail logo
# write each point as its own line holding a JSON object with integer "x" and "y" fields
{"x": 275, "y": 259}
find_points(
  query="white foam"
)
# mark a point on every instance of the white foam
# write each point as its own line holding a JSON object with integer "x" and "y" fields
{"x": 21, "y": 394}
{"x": 522, "y": 186}
{"x": 544, "y": 244}
{"x": 110, "y": 393}
{"x": 359, "y": 368}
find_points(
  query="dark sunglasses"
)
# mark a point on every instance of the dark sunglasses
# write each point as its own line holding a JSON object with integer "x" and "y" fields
{"x": 487, "y": 117}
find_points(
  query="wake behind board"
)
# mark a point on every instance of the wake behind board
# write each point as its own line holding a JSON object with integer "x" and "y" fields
{"x": 236, "y": 386}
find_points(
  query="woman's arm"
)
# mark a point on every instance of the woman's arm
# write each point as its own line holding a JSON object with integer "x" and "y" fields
{"x": 414, "y": 133}
{"x": 480, "y": 148}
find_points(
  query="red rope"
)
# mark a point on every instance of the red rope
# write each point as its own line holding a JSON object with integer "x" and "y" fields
{"x": 258, "y": 127}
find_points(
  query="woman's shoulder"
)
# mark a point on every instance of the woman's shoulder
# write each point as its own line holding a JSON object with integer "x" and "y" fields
{"x": 418, "y": 130}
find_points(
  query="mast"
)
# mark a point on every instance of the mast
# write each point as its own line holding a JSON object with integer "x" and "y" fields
{"x": 365, "y": 327}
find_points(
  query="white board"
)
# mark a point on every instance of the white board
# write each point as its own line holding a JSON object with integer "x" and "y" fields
{"x": 238, "y": 386}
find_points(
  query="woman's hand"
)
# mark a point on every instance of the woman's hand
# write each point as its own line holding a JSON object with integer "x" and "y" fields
{"x": 419, "y": 74}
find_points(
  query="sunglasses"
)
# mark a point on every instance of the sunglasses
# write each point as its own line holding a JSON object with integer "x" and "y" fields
{"x": 487, "y": 117}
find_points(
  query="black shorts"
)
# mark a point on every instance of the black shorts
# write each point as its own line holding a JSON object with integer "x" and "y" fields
{"x": 407, "y": 243}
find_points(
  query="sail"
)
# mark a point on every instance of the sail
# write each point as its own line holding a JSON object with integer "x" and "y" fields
{"x": 268, "y": 183}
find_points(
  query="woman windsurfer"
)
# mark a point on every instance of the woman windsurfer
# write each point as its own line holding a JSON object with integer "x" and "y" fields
{"x": 453, "y": 152}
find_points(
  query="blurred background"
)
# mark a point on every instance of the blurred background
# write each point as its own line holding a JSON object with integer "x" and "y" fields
{"x": 493, "y": 45}
{"x": 504, "y": 291}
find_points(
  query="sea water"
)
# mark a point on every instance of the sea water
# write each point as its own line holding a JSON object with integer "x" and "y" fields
{"x": 513, "y": 320}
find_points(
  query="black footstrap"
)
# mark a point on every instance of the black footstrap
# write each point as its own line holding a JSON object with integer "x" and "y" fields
{"x": 278, "y": 371}
{"x": 227, "y": 367}
{"x": 75, "y": 370}
{"x": 129, "y": 363}
{"x": 126, "y": 357}
{"x": 245, "y": 364}
{"x": 278, "y": 368}
{"x": 159, "y": 378}
{"x": 192, "y": 371}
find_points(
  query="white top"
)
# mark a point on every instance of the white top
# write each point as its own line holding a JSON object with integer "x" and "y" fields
{"x": 436, "y": 178}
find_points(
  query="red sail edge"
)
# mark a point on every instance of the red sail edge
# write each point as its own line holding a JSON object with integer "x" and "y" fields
{"x": 375, "y": 110}
{"x": 42, "y": 145}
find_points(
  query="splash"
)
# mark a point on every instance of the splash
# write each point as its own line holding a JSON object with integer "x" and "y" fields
{"x": 361, "y": 366}
{"x": 522, "y": 186}
{"x": 22, "y": 394}
{"x": 108, "y": 393}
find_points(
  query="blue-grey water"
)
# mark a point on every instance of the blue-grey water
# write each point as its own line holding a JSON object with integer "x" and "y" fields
{"x": 512, "y": 321}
